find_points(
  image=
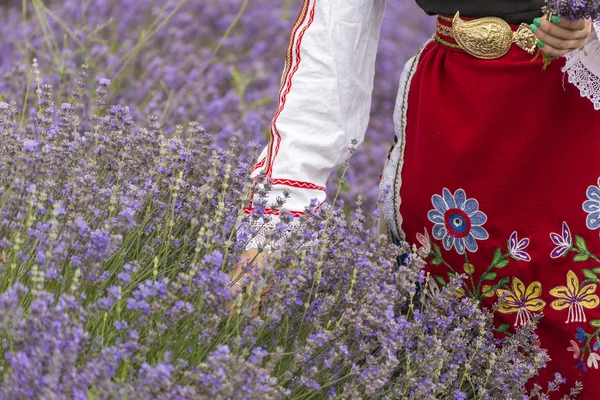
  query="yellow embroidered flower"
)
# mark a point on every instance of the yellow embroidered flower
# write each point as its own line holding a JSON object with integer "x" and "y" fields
{"x": 521, "y": 301}
{"x": 575, "y": 298}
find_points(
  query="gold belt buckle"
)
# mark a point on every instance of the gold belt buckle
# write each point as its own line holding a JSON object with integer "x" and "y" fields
{"x": 491, "y": 37}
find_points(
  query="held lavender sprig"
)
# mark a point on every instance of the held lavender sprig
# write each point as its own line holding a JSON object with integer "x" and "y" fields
{"x": 570, "y": 9}
{"x": 573, "y": 9}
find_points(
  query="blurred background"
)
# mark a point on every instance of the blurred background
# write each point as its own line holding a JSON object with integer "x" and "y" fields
{"x": 218, "y": 62}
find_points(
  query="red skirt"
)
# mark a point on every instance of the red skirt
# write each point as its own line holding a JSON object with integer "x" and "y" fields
{"x": 501, "y": 168}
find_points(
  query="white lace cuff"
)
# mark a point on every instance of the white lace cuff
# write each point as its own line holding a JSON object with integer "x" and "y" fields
{"x": 264, "y": 232}
{"x": 583, "y": 67}
{"x": 259, "y": 239}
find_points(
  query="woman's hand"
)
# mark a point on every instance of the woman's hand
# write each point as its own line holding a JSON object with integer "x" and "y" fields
{"x": 560, "y": 36}
{"x": 257, "y": 259}
{"x": 251, "y": 256}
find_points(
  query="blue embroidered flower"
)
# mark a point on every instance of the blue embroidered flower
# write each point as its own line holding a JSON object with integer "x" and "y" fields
{"x": 592, "y": 207}
{"x": 458, "y": 221}
{"x": 580, "y": 336}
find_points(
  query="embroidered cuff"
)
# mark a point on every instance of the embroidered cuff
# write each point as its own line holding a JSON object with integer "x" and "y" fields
{"x": 583, "y": 67}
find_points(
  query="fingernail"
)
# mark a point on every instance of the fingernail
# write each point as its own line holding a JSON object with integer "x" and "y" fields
{"x": 533, "y": 28}
{"x": 537, "y": 22}
{"x": 555, "y": 19}
{"x": 540, "y": 44}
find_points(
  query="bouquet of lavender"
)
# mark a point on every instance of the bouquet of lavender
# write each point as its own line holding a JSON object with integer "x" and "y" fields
{"x": 570, "y": 9}
{"x": 573, "y": 9}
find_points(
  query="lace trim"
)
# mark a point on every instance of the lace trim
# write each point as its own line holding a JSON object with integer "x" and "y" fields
{"x": 263, "y": 231}
{"x": 391, "y": 179}
{"x": 583, "y": 68}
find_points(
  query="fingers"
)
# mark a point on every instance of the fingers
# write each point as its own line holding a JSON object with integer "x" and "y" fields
{"x": 555, "y": 43}
{"x": 554, "y": 46}
{"x": 234, "y": 277}
{"x": 566, "y": 29}
{"x": 252, "y": 256}
{"x": 236, "y": 288}
{"x": 559, "y": 37}
{"x": 572, "y": 24}
{"x": 256, "y": 260}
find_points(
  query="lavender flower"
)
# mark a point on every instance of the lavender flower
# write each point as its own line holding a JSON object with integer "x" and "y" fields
{"x": 573, "y": 9}
{"x": 166, "y": 71}
{"x": 121, "y": 223}
{"x": 115, "y": 248}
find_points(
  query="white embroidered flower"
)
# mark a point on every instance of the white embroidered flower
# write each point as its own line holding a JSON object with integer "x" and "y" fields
{"x": 517, "y": 247}
{"x": 563, "y": 242}
{"x": 593, "y": 360}
{"x": 425, "y": 242}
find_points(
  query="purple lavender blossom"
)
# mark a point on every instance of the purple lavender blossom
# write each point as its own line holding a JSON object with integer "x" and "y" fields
{"x": 169, "y": 75}
{"x": 573, "y": 9}
{"x": 30, "y": 145}
{"x": 120, "y": 225}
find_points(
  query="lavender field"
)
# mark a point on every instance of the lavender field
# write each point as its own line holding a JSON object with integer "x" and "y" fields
{"x": 127, "y": 131}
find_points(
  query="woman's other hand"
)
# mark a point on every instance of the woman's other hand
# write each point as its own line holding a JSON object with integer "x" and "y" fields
{"x": 252, "y": 258}
{"x": 560, "y": 36}
{"x": 248, "y": 257}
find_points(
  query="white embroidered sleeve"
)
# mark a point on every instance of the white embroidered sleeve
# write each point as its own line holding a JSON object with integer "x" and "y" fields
{"x": 324, "y": 100}
{"x": 583, "y": 67}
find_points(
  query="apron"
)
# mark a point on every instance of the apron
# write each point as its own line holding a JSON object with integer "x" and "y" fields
{"x": 497, "y": 169}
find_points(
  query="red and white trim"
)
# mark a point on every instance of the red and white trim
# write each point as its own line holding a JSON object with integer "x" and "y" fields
{"x": 304, "y": 21}
{"x": 297, "y": 184}
{"x": 270, "y": 211}
{"x": 258, "y": 165}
